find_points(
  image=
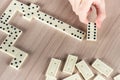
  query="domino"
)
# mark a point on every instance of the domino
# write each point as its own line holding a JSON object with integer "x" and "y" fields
{"x": 53, "y": 67}
{"x": 50, "y": 78}
{"x": 84, "y": 69}
{"x": 117, "y": 77}
{"x": 17, "y": 62}
{"x": 70, "y": 64}
{"x": 99, "y": 77}
{"x": 102, "y": 67}
{"x": 74, "y": 77}
{"x": 91, "y": 31}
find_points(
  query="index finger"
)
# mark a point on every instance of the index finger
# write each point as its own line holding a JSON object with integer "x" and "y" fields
{"x": 84, "y": 9}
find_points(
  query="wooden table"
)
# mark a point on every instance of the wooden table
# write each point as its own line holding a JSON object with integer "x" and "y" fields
{"x": 43, "y": 42}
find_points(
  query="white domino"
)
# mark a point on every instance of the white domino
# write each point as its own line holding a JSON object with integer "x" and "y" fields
{"x": 117, "y": 77}
{"x": 74, "y": 77}
{"x": 53, "y": 67}
{"x": 50, "y": 78}
{"x": 102, "y": 67}
{"x": 84, "y": 69}
{"x": 91, "y": 31}
{"x": 99, "y": 77}
{"x": 17, "y": 62}
{"x": 19, "y": 59}
{"x": 70, "y": 64}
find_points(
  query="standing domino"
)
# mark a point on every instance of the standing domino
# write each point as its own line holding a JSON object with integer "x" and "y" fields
{"x": 117, "y": 77}
{"x": 102, "y": 67}
{"x": 99, "y": 77}
{"x": 74, "y": 77}
{"x": 91, "y": 31}
{"x": 70, "y": 64}
{"x": 84, "y": 70}
{"x": 53, "y": 68}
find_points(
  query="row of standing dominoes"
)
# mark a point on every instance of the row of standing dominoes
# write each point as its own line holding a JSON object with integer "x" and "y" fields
{"x": 83, "y": 68}
{"x": 30, "y": 12}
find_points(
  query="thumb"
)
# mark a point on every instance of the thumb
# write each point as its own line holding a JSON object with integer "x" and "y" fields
{"x": 84, "y": 10}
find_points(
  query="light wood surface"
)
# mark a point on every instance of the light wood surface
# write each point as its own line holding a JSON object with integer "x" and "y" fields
{"x": 43, "y": 42}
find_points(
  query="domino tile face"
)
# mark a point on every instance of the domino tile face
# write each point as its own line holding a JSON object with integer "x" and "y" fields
{"x": 91, "y": 31}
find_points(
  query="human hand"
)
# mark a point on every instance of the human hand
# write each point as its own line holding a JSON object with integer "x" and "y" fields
{"x": 82, "y": 8}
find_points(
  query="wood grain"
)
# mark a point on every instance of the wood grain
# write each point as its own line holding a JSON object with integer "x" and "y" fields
{"x": 43, "y": 42}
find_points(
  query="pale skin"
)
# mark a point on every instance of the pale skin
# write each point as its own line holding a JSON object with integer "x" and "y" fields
{"x": 82, "y": 8}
